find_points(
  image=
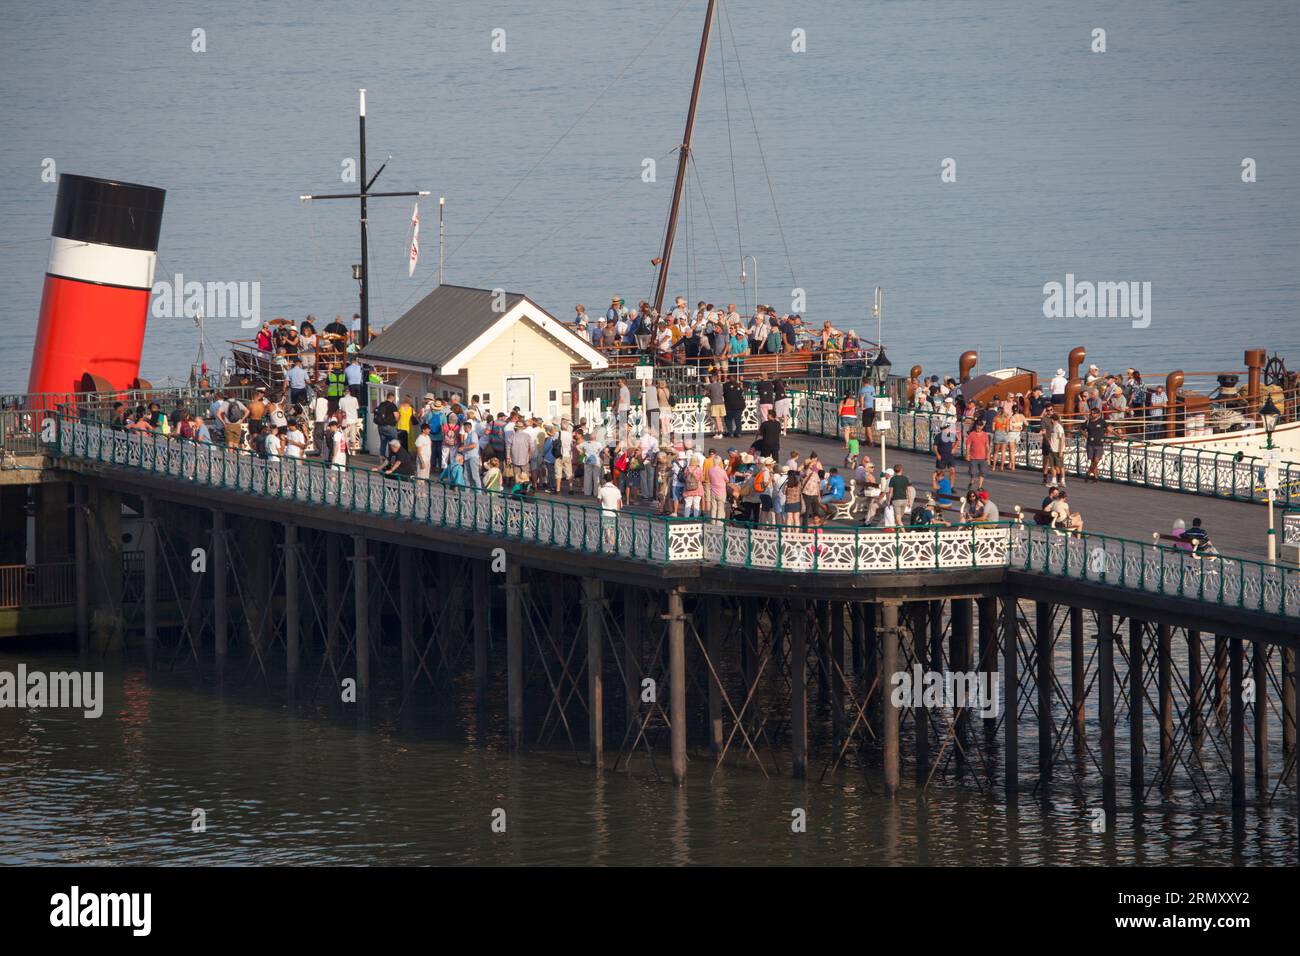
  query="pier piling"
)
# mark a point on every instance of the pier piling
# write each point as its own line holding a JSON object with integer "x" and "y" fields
{"x": 1044, "y": 640}
{"x": 1237, "y": 711}
{"x": 219, "y": 608}
{"x": 514, "y": 656}
{"x": 889, "y": 712}
{"x": 1106, "y": 713}
{"x": 1011, "y": 677}
{"x": 799, "y": 688}
{"x": 361, "y": 595}
{"x": 677, "y": 685}
{"x": 149, "y": 541}
{"x": 593, "y": 597}
{"x": 1136, "y": 693}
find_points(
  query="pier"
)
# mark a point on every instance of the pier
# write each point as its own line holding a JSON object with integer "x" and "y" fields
{"x": 669, "y": 647}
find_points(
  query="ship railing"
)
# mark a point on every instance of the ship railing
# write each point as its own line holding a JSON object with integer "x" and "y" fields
{"x": 21, "y": 415}
{"x": 589, "y": 529}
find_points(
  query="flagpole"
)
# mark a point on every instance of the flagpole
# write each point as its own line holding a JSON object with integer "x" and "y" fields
{"x": 442, "y": 202}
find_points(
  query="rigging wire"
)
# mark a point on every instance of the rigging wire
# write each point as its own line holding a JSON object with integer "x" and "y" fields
{"x": 722, "y": 262}
{"x": 762, "y": 158}
{"x": 731, "y": 151}
{"x": 566, "y": 222}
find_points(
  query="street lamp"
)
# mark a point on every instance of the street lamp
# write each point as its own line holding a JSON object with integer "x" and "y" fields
{"x": 880, "y": 374}
{"x": 880, "y": 370}
{"x": 1270, "y": 415}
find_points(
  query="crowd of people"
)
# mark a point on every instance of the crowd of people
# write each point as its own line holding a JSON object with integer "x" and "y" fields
{"x": 1128, "y": 406}
{"x": 721, "y": 337}
{"x": 317, "y": 413}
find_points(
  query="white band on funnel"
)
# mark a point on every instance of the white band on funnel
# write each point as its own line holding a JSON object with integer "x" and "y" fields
{"x": 95, "y": 262}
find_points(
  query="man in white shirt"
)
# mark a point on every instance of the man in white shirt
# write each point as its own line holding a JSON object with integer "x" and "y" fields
{"x": 649, "y": 446}
{"x": 294, "y": 441}
{"x": 351, "y": 409}
{"x": 320, "y": 413}
{"x": 564, "y": 459}
{"x": 1058, "y": 387}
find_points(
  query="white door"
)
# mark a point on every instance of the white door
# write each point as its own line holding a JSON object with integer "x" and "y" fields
{"x": 519, "y": 392}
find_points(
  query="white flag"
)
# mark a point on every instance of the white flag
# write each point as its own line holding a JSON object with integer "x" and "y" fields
{"x": 415, "y": 241}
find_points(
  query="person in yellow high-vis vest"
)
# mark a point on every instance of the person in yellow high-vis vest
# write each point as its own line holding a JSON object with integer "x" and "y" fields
{"x": 336, "y": 386}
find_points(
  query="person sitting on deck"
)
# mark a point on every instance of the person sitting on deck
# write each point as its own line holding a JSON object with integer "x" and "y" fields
{"x": 1199, "y": 537}
{"x": 398, "y": 463}
{"x": 454, "y": 474}
{"x": 1062, "y": 518}
{"x": 833, "y": 492}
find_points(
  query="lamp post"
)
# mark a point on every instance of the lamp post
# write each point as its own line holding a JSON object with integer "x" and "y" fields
{"x": 880, "y": 373}
{"x": 1270, "y": 415}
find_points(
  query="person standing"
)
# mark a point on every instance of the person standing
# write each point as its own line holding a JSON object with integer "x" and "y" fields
{"x": 768, "y": 442}
{"x": 590, "y": 449}
{"x": 469, "y": 453}
{"x": 424, "y": 452}
{"x": 977, "y": 454}
{"x": 717, "y": 404}
{"x": 624, "y": 408}
{"x": 867, "y": 407}
{"x": 733, "y": 400}
{"x": 1059, "y": 382}
{"x": 1095, "y": 431}
{"x": 320, "y": 413}
{"x": 386, "y": 420}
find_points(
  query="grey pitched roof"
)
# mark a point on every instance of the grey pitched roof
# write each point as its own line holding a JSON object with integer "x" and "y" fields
{"x": 439, "y": 326}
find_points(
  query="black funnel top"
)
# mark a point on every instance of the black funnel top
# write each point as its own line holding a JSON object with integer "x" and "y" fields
{"x": 108, "y": 212}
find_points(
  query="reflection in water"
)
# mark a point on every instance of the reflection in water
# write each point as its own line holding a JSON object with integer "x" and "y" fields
{"x": 289, "y": 786}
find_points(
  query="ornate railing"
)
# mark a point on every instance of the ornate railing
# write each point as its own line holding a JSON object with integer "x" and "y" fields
{"x": 1154, "y": 569}
{"x": 658, "y": 540}
{"x": 1145, "y": 464}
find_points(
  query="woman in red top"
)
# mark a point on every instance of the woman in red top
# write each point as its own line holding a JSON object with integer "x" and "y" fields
{"x": 848, "y": 417}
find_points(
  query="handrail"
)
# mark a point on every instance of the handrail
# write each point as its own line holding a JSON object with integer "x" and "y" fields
{"x": 659, "y": 540}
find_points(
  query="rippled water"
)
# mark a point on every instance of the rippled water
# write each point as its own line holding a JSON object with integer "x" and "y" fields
{"x": 1123, "y": 165}
{"x": 283, "y": 785}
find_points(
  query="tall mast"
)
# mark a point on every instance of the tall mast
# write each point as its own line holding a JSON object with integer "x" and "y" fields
{"x": 365, "y": 257}
{"x": 363, "y": 193}
{"x": 682, "y": 158}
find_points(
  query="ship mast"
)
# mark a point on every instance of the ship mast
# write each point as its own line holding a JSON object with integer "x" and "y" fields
{"x": 363, "y": 194}
{"x": 682, "y": 158}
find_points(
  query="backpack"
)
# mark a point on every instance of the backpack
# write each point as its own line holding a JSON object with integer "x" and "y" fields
{"x": 692, "y": 480}
{"x": 235, "y": 411}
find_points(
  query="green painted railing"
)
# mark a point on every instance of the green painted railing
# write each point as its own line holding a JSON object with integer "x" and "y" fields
{"x": 658, "y": 540}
